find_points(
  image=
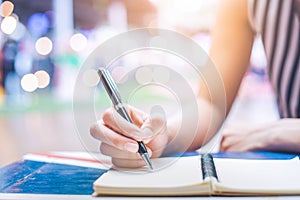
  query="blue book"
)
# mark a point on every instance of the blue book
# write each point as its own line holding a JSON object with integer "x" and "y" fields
{"x": 69, "y": 173}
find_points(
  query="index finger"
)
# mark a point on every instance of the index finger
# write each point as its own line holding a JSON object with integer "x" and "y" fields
{"x": 116, "y": 122}
{"x": 108, "y": 136}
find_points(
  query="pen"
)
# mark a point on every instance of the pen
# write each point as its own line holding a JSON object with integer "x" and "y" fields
{"x": 115, "y": 97}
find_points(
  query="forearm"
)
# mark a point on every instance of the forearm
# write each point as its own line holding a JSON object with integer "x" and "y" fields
{"x": 284, "y": 136}
{"x": 232, "y": 40}
{"x": 280, "y": 136}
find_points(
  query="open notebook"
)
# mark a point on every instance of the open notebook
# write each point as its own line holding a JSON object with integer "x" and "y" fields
{"x": 193, "y": 175}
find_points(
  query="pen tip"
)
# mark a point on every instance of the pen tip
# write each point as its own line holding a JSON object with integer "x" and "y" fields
{"x": 151, "y": 167}
{"x": 147, "y": 160}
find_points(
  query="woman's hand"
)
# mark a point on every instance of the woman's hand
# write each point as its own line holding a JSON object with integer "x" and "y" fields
{"x": 119, "y": 137}
{"x": 282, "y": 135}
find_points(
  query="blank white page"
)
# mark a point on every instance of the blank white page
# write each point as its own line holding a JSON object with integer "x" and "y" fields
{"x": 258, "y": 175}
{"x": 168, "y": 172}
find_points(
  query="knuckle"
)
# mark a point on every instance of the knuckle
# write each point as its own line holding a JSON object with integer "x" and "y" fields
{"x": 107, "y": 115}
{"x": 158, "y": 121}
{"x": 116, "y": 162}
{"x": 223, "y": 146}
{"x": 94, "y": 129}
{"x": 118, "y": 143}
{"x": 115, "y": 141}
{"x": 103, "y": 149}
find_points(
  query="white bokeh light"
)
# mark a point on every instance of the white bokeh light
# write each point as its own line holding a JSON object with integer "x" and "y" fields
{"x": 90, "y": 78}
{"x": 78, "y": 42}
{"x": 43, "y": 78}
{"x": 8, "y": 25}
{"x": 119, "y": 74}
{"x": 29, "y": 82}
{"x": 43, "y": 46}
{"x": 143, "y": 75}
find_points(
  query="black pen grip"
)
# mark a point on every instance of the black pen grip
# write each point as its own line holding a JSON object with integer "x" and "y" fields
{"x": 142, "y": 148}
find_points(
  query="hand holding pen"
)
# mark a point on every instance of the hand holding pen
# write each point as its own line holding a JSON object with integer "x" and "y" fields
{"x": 115, "y": 97}
{"x": 119, "y": 139}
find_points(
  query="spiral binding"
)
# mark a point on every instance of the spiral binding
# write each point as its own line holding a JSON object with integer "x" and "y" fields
{"x": 208, "y": 166}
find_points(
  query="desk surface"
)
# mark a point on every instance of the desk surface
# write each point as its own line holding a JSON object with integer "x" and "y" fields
{"x": 28, "y": 179}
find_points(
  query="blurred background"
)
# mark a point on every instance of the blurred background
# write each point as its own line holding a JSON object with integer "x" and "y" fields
{"x": 44, "y": 43}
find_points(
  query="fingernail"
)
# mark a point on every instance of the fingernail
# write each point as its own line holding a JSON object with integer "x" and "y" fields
{"x": 149, "y": 152}
{"x": 131, "y": 147}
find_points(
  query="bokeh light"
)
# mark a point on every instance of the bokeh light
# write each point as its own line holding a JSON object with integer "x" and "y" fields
{"x": 29, "y": 82}
{"x": 43, "y": 78}
{"x": 19, "y": 32}
{"x": 38, "y": 24}
{"x": 6, "y": 8}
{"x": 78, "y": 42}
{"x": 119, "y": 74}
{"x": 43, "y": 46}
{"x": 161, "y": 75}
{"x": 8, "y": 25}
{"x": 90, "y": 78}
{"x": 23, "y": 63}
{"x": 143, "y": 75}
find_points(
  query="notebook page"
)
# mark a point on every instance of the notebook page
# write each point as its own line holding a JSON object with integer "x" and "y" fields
{"x": 259, "y": 175}
{"x": 168, "y": 172}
